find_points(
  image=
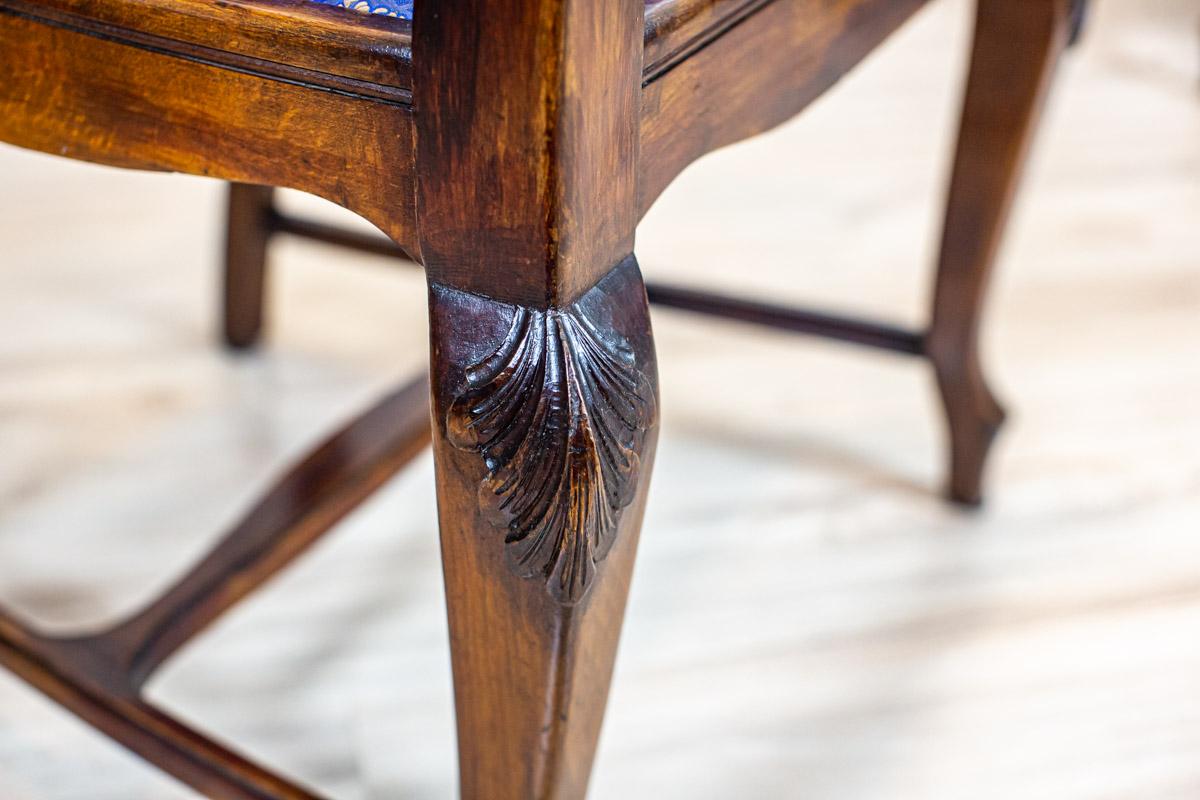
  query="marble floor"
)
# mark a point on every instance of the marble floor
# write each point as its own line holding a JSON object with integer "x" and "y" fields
{"x": 808, "y": 620}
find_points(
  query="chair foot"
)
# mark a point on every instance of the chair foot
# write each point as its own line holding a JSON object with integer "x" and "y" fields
{"x": 974, "y": 418}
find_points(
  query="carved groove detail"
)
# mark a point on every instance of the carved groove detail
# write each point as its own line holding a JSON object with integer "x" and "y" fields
{"x": 558, "y": 413}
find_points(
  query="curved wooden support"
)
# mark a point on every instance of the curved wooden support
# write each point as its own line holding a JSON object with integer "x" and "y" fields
{"x": 545, "y": 435}
{"x": 99, "y": 677}
{"x": 76, "y": 680}
{"x": 98, "y": 91}
{"x": 309, "y": 500}
{"x": 757, "y": 69}
{"x": 1017, "y": 43}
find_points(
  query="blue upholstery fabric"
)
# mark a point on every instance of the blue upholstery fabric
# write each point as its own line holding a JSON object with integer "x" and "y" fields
{"x": 390, "y": 8}
{"x": 394, "y": 8}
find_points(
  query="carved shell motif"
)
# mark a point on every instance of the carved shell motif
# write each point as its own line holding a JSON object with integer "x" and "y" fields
{"x": 558, "y": 412}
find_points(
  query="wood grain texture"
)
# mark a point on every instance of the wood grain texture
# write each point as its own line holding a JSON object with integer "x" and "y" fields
{"x": 526, "y": 114}
{"x": 329, "y": 44}
{"x": 676, "y": 28}
{"x": 517, "y": 175}
{"x": 207, "y": 71}
{"x": 756, "y": 74}
{"x": 558, "y": 413}
{"x": 294, "y": 39}
{"x": 531, "y": 673}
{"x": 527, "y": 132}
{"x": 84, "y": 97}
{"x": 1016, "y": 47}
{"x": 863, "y": 643}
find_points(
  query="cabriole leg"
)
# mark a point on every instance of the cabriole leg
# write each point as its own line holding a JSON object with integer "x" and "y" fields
{"x": 1017, "y": 43}
{"x": 544, "y": 435}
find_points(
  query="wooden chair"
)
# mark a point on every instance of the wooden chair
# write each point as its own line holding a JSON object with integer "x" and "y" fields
{"x": 509, "y": 147}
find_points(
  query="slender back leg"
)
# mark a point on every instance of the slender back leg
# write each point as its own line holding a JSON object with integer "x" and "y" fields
{"x": 1017, "y": 43}
{"x": 247, "y": 233}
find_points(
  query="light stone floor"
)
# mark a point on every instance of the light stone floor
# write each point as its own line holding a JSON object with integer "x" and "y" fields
{"x": 808, "y": 619}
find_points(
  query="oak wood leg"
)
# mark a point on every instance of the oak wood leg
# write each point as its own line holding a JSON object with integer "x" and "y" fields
{"x": 247, "y": 233}
{"x": 1017, "y": 43}
{"x": 544, "y": 434}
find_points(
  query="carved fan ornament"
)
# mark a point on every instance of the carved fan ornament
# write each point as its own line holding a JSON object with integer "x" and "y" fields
{"x": 558, "y": 413}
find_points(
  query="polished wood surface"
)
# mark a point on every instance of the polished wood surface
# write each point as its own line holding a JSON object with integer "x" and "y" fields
{"x": 543, "y": 218}
{"x": 675, "y": 28}
{"x": 88, "y": 97}
{"x": 698, "y": 87}
{"x": 538, "y": 324}
{"x": 532, "y": 669}
{"x": 303, "y": 40}
{"x": 753, "y": 76}
{"x": 294, "y": 40}
{"x": 806, "y": 621}
{"x": 514, "y": 169}
{"x": 1016, "y": 48}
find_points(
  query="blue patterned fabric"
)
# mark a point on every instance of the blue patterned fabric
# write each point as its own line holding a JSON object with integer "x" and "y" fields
{"x": 394, "y": 8}
{"x": 389, "y": 8}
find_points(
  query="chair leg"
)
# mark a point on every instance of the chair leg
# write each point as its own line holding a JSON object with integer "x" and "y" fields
{"x": 248, "y": 231}
{"x": 544, "y": 434}
{"x": 1017, "y": 43}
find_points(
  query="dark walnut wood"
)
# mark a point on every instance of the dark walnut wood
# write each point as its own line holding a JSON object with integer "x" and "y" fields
{"x": 1017, "y": 44}
{"x": 291, "y": 40}
{"x": 750, "y": 72}
{"x": 510, "y": 147}
{"x": 249, "y": 222}
{"x": 88, "y": 94}
{"x": 533, "y": 656}
{"x": 538, "y": 228}
{"x": 558, "y": 414}
{"x": 541, "y": 219}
